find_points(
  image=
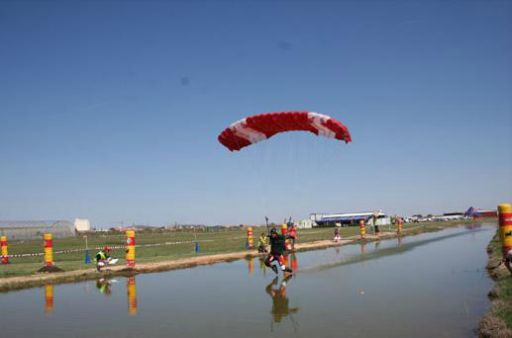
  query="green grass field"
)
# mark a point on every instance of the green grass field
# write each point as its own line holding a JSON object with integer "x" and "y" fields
{"x": 167, "y": 245}
{"x": 501, "y": 294}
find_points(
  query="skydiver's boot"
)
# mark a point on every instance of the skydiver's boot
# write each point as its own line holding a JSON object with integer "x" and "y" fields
{"x": 286, "y": 269}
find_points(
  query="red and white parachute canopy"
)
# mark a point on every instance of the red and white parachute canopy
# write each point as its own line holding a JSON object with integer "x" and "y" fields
{"x": 260, "y": 127}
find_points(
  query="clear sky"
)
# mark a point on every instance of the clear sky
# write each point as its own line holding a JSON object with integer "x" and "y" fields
{"x": 111, "y": 110}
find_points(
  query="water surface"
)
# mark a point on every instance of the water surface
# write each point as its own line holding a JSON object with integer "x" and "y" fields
{"x": 430, "y": 285}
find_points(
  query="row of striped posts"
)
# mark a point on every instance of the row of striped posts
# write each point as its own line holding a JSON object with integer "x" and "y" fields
{"x": 48, "y": 249}
{"x": 504, "y": 221}
{"x": 130, "y": 244}
{"x": 505, "y": 226}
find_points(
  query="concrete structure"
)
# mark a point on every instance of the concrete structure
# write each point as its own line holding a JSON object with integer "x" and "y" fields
{"x": 353, "y": 218}
{"x": 451, "y": 216}
{"x": 304, "y": 224}
{"x": 82, "y": 225}
{"x": 35, "y": 229}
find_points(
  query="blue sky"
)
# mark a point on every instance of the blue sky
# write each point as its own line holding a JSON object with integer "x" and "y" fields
{"x": 111, "y": 110}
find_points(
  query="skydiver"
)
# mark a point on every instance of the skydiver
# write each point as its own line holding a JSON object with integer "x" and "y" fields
{"x": 277, "y": 248}
{"x": 103, "y": 258}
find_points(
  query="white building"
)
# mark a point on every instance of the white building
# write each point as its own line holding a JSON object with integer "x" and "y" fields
{"x": 82, "y": 225}
{"x": 304, "y": 224}
{"x": 352, "y": 218}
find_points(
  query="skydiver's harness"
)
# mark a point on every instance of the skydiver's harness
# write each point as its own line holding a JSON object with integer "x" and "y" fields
{"x": 277, "y": 248}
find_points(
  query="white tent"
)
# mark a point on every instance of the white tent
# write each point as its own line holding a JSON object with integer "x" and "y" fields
{"x": 82, "y": 225}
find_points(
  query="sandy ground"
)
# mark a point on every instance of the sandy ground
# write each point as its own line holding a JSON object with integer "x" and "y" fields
{"x": 14, "y": 283}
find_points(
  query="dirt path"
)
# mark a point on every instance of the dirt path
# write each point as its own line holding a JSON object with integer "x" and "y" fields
{"x": 15, "y": 283}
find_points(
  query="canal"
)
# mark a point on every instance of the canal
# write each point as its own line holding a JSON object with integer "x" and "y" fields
{"x": 429, "y": 285}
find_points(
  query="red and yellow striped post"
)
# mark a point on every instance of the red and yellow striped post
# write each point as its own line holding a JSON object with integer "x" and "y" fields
{"x": 131, "y": 288}
{"x": 284, "y": 229}
{"x": 505, "y": 222}
{"x": 250, "y": 238}
{"x": 362, "y": 229}
{"x": 130, "y": 248}
{"x": 3, "y": 246}
{"x": 284, "y": 232}
{"x": 250, "y": 265}
{"x": 48, "y": 298}
{"x": 48, "y": 250}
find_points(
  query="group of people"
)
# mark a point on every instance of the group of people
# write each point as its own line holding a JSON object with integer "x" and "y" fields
{"x": 278, "y": 246}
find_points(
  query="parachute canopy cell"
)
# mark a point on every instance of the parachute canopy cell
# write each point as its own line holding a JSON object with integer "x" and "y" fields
{"x": 260, "y": 127}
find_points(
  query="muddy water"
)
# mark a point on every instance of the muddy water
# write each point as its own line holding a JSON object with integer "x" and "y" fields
{"x": 430, "y": 285}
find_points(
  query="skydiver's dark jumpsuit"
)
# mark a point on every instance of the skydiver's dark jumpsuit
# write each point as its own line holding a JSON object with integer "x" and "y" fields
{"x": 277, "y": 248}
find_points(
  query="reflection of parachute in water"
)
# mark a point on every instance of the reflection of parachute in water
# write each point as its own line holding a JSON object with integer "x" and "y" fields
{"x": 260, "y": 127}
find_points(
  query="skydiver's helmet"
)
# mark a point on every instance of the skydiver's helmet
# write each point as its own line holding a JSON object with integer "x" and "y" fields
{"x": 273, "y": 232}
{"x": 106, "y": 249}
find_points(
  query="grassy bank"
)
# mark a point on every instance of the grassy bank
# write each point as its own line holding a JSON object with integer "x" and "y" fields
{"x": 157, "y": 247}
{"x": 152, "y": 246}
{"x": 498, "y": 321}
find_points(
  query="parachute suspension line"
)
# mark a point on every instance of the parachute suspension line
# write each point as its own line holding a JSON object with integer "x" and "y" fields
{"x": 259, "y": 172}
{"x": 256, "y": 128}
{"x": 293, "y": 167}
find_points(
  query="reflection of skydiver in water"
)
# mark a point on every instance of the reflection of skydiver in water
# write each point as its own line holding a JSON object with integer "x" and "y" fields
{"x": 280, "y": 308}
{"x": 104, "y": 286}
{"x": 294, "y": 263}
